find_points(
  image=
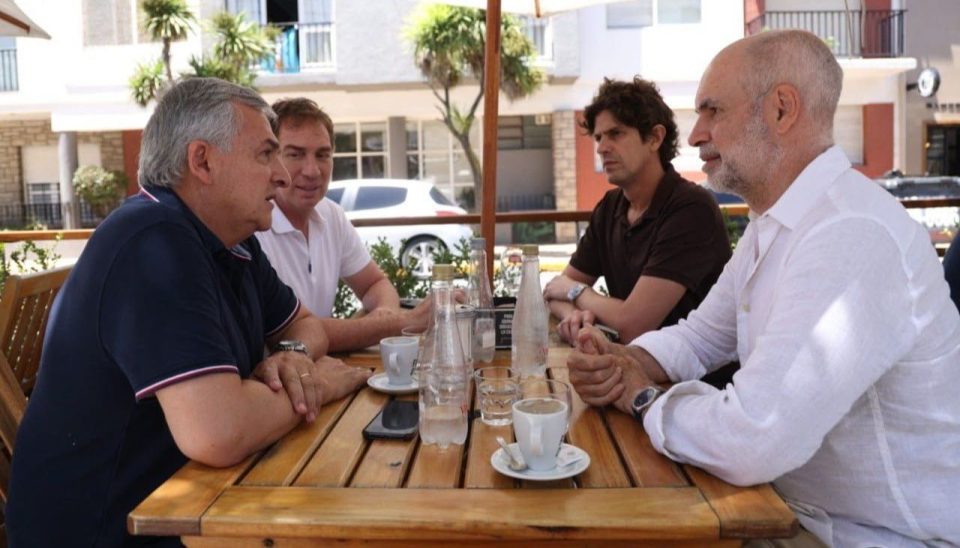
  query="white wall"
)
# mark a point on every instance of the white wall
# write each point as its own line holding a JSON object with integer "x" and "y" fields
{"x": 63, "y": 69}
{"x": 661, "y": 52}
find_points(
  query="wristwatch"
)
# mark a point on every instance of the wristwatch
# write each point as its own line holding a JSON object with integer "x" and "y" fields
{"x": 575, "y": 292}
{"x": 292, "y": 346}
{"x": 644, "y": 400}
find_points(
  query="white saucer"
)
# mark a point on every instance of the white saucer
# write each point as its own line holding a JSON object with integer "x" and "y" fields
{"x": 499, "y": 462}
{"x": 379, "y": 383}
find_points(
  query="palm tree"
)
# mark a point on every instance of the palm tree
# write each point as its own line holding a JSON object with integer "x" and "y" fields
{"x": 449, "y": 47}
{"x": 240, "y": 44}
{"x": 167, "y": 21}
{"x": 146, "y": 82}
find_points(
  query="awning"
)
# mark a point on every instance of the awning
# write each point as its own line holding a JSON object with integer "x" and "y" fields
{"x": 13, "y": 22}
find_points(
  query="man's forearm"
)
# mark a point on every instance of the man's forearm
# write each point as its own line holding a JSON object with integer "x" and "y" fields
{"x": 651, "y": 367}
{"x": 310, "y": 331}
{"x": 355, "y": 333}
{"x": 220, "y": 419}
{"x": 381, "y": 295}
{"x": 560, "y": 309}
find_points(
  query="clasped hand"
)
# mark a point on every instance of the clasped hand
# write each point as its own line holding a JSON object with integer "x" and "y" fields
{"x": 309, "y": 384}
{"x": 603, "y": 372}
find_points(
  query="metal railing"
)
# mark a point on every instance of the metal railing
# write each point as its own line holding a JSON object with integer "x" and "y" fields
{"x": 20, "y": 215}
{"x": 8, "y": 70}
{"x": 870, "y": 33}
{"x": 301, "y": 46}
{"x": 582, "y": 215}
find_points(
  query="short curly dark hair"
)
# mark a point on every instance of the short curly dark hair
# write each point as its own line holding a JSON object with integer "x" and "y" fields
{"x": 637, "y": 104}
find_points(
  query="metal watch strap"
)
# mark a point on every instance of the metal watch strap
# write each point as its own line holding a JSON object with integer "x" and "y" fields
{"x": 293, "y": 346}
{"x": 575, "y": 292}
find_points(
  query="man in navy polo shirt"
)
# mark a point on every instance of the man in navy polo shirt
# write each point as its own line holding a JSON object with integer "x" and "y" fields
{"x": 154, "y": 352}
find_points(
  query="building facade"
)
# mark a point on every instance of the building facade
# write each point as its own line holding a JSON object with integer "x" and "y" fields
{"x": 352, "y": 58}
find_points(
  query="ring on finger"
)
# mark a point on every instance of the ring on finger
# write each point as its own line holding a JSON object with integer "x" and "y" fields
{"x": 304, "y": 375}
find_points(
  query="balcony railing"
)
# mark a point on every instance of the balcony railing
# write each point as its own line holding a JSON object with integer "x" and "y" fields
{"x": 873, "y": 33}
{"x": 301, "y": 46}
{"x": 8, "y": 70}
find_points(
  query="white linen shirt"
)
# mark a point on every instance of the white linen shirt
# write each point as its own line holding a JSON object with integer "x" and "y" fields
{"x": 312, "y": 269}
{"x": 848, "y": 396}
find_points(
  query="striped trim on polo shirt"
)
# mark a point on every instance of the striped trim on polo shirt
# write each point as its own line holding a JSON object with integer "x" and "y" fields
{"x": 146, "y": 193}
{"x": 151, "y": 390}
{"x": 283, "y": 325}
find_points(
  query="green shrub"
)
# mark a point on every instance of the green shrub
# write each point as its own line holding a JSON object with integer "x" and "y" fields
{"x": 100, "y": 188}
{"x": 29, "y": 258}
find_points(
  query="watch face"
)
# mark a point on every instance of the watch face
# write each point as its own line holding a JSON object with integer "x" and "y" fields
{"x": 645, "y": 397}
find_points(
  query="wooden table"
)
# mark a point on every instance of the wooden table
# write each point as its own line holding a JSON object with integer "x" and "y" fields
{"x": 323, "y": 482}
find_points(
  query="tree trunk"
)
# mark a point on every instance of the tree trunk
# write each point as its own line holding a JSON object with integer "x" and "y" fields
{"x": 166, "y": 60}
{"x": 475, "y": 167}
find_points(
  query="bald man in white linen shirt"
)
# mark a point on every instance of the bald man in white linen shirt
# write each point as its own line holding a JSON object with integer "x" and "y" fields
{"x": 836, "y": 306}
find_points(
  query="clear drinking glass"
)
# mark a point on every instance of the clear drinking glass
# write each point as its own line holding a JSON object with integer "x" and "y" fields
{"x": 497, "y": 390}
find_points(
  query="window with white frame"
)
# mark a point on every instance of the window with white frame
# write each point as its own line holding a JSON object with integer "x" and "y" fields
{"x": 644, "y": 13}
{"x": 113, "y": 23}
{"x": 433, "y": 154}
{"x": 360, "y": 150}
{"x": 540, "y": 31}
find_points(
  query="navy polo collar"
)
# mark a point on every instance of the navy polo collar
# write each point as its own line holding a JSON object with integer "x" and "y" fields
{"x": 210, "y": 240}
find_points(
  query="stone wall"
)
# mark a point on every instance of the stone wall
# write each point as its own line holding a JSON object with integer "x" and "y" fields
{"x": 18, "y": 133}
{"x": 565, "y": 170}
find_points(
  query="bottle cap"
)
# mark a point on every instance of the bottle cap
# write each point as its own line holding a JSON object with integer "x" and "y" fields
{"x": 478, "y": 243}
{"x": 443, "y": 272}
{"x": 530, "y": 250}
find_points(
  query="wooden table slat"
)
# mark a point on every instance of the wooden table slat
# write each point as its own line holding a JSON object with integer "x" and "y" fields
{"x": 479, "y": 472}
{"x": 275, "y": 542}
{"x": 745, "y": 512}
{"x": 176, "y": 506}
{"x": 337, "y": 457}
{"x": 588, "y": 432}
{"x": 646, "y": 467}
{"x": 284, "y": 461}
{"x": 470, "y": 514}
{"x": 385, "y": 463}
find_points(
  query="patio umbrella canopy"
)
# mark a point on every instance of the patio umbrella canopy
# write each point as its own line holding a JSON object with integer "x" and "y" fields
{"x": 491, "y": 91}
{"x": 13, "y": 22}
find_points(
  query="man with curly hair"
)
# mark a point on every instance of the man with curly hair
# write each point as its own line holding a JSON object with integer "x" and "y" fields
{"x": 657, "y": 239}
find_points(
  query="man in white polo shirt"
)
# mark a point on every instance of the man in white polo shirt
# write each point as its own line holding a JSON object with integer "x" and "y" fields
{"x": 312, "y": 244}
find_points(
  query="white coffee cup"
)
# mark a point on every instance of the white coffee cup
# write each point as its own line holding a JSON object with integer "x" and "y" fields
{"x": 398, "y": 355}
{"x": 539, "y": 425}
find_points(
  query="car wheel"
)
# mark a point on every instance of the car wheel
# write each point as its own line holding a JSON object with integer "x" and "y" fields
{"x": 417, "y": 256}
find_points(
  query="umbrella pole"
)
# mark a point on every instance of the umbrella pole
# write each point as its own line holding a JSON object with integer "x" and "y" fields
{"x": 491, "y": 96}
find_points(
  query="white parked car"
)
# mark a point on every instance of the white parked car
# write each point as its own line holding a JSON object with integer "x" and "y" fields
{"x": 379, "y": 198}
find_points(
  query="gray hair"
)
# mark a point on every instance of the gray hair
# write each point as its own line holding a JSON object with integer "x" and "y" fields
{"x": 194, "y": 109}
{"x": 801, "y": 59}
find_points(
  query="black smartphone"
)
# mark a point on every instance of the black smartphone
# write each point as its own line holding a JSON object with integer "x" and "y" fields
{"x": 396, "y": 421}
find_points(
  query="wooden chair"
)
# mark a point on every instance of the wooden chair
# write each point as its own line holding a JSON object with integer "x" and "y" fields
{"x": 24, "y": 309}
{"x": 12, "y": 405}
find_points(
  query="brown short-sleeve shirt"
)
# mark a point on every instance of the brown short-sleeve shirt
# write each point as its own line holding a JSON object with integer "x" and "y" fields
{"x": 681, "y": 237}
